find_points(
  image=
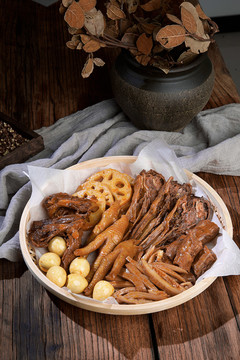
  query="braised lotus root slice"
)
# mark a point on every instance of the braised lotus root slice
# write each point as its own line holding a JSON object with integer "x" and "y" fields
{"x": 99, "y": 186}
{"x": 94, "y": 217}
{"x": 129, "y": 178}
{"x": 119, "y": 183}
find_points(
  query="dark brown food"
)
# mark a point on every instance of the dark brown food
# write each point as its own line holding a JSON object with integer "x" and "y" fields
{"x": 171, "y": 249}
{"x": 172, "y": 211}
{"x": 162, "y": 204}
{"x": 146, "y": 187}
{"x": 187, "y": 251}
{"x": 186, "y": 213}
{"x": 68, "y": 217}
{"x": 63, "y": 204}
{"x": 156, "y": 250}
{"x": 205, "y": 231}
{"x": 204, "y": 261}
{"x": 74, "y": 239}
{"x": 41, "y": 232}
{"x": 189, "y": 247}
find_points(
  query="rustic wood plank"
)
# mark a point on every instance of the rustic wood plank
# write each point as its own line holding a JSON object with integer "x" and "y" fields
{"x": 39, "y": 326}
{"x": 203, "y": 328}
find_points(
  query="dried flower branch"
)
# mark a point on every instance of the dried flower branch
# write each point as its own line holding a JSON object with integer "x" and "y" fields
{"x": 160, "y": 33}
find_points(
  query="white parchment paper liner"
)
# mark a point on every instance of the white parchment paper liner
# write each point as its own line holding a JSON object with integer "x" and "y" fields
{"x": 156, "y": 155}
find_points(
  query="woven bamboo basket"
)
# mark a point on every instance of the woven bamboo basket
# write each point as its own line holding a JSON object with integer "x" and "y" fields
{"x": 29, "y": 255}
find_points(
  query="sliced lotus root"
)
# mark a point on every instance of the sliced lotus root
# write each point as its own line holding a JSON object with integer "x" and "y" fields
{"x": 99, "y": 186}
{"x": 117, "y": 182}
{"x": 94, "y": 217}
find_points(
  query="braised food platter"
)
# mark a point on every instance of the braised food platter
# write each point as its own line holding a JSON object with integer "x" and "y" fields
{"x": 29, "y": 255}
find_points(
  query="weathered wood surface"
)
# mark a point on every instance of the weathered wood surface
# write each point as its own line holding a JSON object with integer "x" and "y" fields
{"x": 40, "y": 83}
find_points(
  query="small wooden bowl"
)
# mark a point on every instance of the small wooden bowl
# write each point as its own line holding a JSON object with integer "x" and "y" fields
{"x": 121, "y": 309}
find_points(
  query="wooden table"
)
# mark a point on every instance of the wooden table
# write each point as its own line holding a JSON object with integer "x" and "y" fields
{"x": 40, "y": 83}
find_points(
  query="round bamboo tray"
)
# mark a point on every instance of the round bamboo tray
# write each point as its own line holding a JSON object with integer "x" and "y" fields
{"x": 121, "y": 309}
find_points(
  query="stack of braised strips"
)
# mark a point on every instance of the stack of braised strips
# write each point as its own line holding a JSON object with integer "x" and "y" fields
{"x": 149, "y": 246}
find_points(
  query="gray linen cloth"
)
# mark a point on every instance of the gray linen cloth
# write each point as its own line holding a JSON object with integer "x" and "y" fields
{"x": 210, "y": 143}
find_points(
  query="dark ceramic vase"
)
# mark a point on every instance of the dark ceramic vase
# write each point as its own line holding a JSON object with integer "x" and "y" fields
{"x": 154, "y": 100}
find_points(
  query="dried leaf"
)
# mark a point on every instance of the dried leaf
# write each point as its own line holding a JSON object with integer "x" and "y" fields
{"x": 188, "y": 21}
{"x": 94, "y": 22}
{"x": 201, "y": 13}
{"x": 88, "y": 68}
{"x": 160, "y": 63}
{"x": 197, "y": 46}
{"x": 199, "y": 30}
{"x": 129, "y": 39}
{"x": 171, "y": 36}
{"x": 157, "y": 49}
{"x": 74, "y": 16}
{"x": 186, "y": 57}
{"x": 111, "y": 30}
{"x": 133, "y": 29}
{"x": 91, "y": 46}
{"x": 132, "y": 5}
{"x": 148, "y": 28}
{"x": 71, "y": 45}
{"x": 134, "y": 52}
{"x": 85, "y": 38}
{"x": 169, "y": 6}
{"x": 79, "y": 46}
{"x": 124, "y": 24}
{"x": 174, "y": 19}
{"x": 114, "y": 12}
{"x": 152, "y": 5}
{"x": 87, "y": 5}
{"x": 98, "y": 62}
{"x": 75, "y": 40}
{"x": 155, "y": 31}
{"x": 143, "y": 59}
{"x": 206, "y": 26}
{"x": 144, "y": 44}
{"x": 74, "y": 31}
{"x": 62, "y": 9}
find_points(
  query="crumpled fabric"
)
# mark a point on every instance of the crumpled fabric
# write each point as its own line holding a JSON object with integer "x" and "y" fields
{"x": 210, "y": 143}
